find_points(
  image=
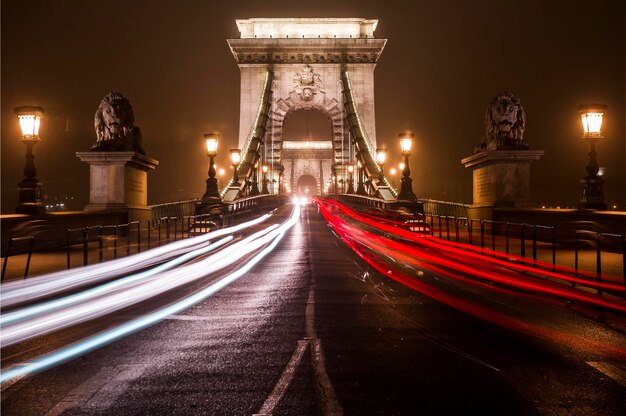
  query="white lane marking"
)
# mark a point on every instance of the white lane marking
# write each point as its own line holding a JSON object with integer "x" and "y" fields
{"x": 610, "y": 370}
{"x": 325, "y": 387}
{"x": 81, "y": 394}
{"x": 192, "y": 318}
{"x": 285, "y": 378}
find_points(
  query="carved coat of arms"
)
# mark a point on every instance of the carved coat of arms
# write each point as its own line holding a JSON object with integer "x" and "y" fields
{"x": 307, "y": 83}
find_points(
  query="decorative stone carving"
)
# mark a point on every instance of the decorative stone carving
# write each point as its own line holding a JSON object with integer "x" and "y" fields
{"x": 307, "y": 83}
{"x": 505, "y": 121}
{"x": 321, "y": 57}
{"x": 114, "y": 123}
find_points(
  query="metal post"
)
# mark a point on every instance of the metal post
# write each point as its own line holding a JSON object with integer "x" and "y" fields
{"x": 30, "y": 252}
{"x": 139, "y": 236}
{"x": 85, "y": 247}
{"x": 507, "y": 237}
{"x": 100, "y": 245}
{"x": 534, "y": 242}
{"x": 439, "y": 218}
{"x": 599, "y": 262}
{"x": 553, "y": 249}
{"x": 149, "y": 233}
{"x": 482, "y": 234}
{"x": 115, "y": 244}
{"x": 69, "y": 232}
{"x": 523, "y": 240}
{"x": 576, "y": 255}
{"x": 128, "y": 239}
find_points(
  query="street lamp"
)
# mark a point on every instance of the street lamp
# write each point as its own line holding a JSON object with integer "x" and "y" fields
{"x": 360, "y": 190}
{"x": 381, "y": 154}
{"x": 350, "y": 181}
{"x": 212, "y": 194}
{"x": 265, "y": 168}
{"x": 592, "y": 185}
{"x": 406, "y": 184}
{"x": 254, "y": 190}
{"x": 235, "y": 158}
{"x": 31, "y": 194}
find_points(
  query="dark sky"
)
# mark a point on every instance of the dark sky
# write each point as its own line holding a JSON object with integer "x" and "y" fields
{"x": 443, "y": 62}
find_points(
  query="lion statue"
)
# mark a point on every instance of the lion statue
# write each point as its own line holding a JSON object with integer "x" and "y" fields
{"x": 114, "y": 122}
{"x": 505, "y": 121}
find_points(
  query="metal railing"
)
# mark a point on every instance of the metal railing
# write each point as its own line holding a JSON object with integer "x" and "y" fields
{"x": 31, "y": 242}
{"x": 177, "y": 209}
{"x": 100, "y": 243}
{"x": 453, "y": 209}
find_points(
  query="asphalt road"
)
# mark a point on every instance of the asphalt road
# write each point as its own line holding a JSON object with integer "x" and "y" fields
{"x": 313, "y": 330}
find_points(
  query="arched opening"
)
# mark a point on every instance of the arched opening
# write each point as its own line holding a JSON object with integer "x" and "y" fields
{"x": 307, "y": 125}
{"x": 307, "y": 186}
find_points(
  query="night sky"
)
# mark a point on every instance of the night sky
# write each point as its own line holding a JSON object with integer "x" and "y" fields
{"x": 443, "y": 62}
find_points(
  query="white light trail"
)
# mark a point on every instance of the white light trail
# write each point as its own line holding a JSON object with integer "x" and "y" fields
{"x": 13, "y": 293}
{"x": 118, "y": 284}
{"x": 84, "y": 346}
{"x": 133, "y": 293}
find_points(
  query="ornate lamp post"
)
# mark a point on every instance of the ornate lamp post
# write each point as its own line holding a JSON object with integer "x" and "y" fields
{"x": 406, "y": 185}
{"x": 350, "y": 180}
{"x": 360, "y": 190}
{"x": 381, "y": 155}
{"x": 593, "y": 184}
{"x": 31, "y": 194}
{"x": 265, "y": 168}
{"x": 235, "y": 158}
{"x": 254, "y": 190}
{"x": 212, "y": 194}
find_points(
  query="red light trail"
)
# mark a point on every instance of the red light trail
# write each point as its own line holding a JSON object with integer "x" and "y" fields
{"x": 463, "y": 264}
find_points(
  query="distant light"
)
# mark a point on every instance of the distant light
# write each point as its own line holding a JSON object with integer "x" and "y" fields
{"x": 544, "y": 207}
{"x": 221, "y": 172}
{"x": 350, "y": 168}
{"x": 614, "y": 206}
{"x": 264, "y": 168}
{"x": 381, "y": 154}
{"x": 401, "y": 166}
{"x": 392, "y": 171}
{"x": 235, "y": 156}
{"x": 601, "y": 171}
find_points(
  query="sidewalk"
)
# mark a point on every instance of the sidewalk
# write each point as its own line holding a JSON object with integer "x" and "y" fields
{"x": 52, "y": 261}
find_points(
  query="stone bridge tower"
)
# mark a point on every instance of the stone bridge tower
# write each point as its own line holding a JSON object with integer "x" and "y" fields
{"x": 293, "y": 64}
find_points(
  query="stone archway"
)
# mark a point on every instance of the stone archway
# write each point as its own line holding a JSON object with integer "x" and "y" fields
{"x": 306, "y": 59}
{"x": 306, "y": 186}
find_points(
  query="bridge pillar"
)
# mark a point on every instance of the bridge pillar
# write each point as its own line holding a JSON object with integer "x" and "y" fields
{"x": 501, "y": 178}
{"x": 119, "y": 180}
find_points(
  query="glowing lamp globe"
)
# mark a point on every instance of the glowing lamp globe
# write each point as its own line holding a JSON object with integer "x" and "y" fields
{"x": 30, "y": 119}
{"x": 381, "y": 154}
{"x": 211, "y": 140}
{"x": 235, "y": 156}
{"x": 592, "y": 115}
{"x": 265, "y": 168}
{"x": 350, "y": 168}
{"x": 406, "y": 141}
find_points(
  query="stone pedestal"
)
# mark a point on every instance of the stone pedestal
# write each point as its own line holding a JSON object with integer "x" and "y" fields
{"x": 119, "y": 180}
{"x": 501, "y": 178}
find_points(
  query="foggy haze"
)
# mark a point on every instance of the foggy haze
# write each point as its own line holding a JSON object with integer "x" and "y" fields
{"x": 443, "y": 62}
